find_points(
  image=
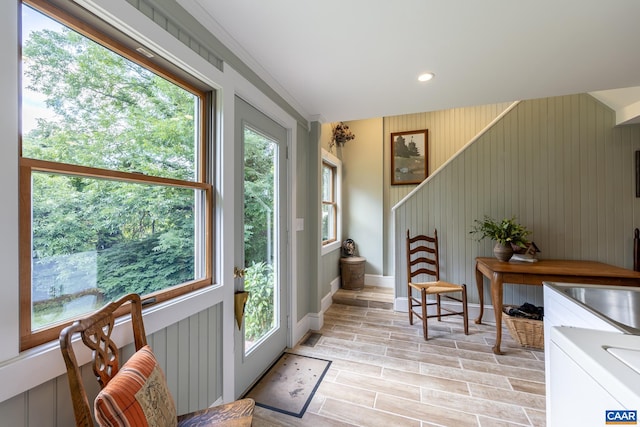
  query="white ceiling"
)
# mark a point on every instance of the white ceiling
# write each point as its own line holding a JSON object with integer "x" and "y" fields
{"x": 357, "y": 59}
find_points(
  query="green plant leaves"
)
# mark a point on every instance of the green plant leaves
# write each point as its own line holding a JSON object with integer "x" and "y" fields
{"x": 506, "y": 231}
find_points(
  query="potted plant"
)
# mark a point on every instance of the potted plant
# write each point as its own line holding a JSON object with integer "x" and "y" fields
{"x": 507, "y": 234}
{"x": 340, "y": 134}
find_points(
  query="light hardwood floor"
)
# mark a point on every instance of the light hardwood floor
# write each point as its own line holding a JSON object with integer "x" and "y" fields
{"x": 385, "y": 374}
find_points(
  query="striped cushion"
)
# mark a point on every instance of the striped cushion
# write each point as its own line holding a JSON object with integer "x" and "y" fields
{"x": 137, "y": 396}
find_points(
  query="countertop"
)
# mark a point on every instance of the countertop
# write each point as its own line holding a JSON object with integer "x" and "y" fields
{"x": 589, "y": 349}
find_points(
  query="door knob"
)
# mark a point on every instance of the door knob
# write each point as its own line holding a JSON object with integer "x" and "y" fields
{"x": 238, "y": 272}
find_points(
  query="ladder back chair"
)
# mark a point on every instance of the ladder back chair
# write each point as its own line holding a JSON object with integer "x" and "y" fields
{"x": 423, "y": 259}
{"x": 136, "y": 393}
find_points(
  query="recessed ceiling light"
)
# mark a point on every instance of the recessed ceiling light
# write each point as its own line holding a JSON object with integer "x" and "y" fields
{"x": 425, "y": 77}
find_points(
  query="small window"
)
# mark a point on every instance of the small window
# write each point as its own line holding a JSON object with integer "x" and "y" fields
{"x": 329, "y": 204}
{"x": 115, "y": 194}
{"x": 331, "y": 176}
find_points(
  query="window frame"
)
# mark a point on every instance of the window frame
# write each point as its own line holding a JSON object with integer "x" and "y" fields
{"x": 202, "y": 181}
{"x": 331, "y": 202}
{"x": 335, "y": 164}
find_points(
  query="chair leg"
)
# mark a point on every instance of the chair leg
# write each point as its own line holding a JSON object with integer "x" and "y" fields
{"x": 465, "y": 310}
{"x": 424, "y": 312}
{"x": 438, "y": 307}
{"x": 410, "y": 302}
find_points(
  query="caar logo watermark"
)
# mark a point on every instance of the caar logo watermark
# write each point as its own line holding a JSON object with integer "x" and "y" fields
{"x": 621, "y": 417}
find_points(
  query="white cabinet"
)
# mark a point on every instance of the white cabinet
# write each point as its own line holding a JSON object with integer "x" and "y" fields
{"x": 561, "y": 310}
{"x": 576, "y": 394}
{"x": 587, "y": 379}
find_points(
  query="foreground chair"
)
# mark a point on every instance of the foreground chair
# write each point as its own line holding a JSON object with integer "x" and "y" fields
{"x": 423, "y": 259}
{"x": 135, "y": 394}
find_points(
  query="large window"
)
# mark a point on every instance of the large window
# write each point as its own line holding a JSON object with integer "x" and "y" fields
{"x": 115, "y": 195}
{"x": 331, "y": 175}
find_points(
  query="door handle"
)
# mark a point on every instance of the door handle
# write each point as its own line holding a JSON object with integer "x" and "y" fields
{"x": 238, "y": 272}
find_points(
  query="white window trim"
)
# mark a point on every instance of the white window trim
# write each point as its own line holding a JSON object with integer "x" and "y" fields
{"x": 329, "y": 158}
{"x": 22, "y": 371}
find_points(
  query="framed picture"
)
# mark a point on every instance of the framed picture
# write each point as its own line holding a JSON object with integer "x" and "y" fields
{"x": 409, "y": 157}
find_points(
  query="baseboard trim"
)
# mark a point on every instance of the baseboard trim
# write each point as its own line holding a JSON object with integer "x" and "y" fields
{"x": 315, "y": 321}
{"x": 379, "y": 281}
{"x": 335, "y": 285}
{"x": 301, "y": 328}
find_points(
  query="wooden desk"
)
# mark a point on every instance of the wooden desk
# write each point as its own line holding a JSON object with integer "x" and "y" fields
{"x": 534, "y": 273}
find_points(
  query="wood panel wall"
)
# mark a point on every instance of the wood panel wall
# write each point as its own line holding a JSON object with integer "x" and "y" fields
{"x": 189, "y": 352}
{"x": 559, "y": 165}
{"x": 449, "y": 131}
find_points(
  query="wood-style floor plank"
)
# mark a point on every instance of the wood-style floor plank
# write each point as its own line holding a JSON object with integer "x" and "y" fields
{"x": 385, "y": 374}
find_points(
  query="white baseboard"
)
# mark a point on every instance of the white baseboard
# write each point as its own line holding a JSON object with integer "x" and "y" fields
{"x": 369, "y": 280}
{"x": 401, "y": 304}
{"x": 379, "y": 281}
{"x": 301, "y": 329}
{"x": 335, "y": 285}
{"x": 315, "y": 321}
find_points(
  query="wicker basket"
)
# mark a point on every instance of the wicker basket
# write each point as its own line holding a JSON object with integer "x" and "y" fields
{"x": 527, "y": 332}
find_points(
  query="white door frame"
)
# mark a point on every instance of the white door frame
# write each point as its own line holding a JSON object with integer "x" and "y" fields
{"x": 251, "y": 364}
{"x": 227, "y": 222}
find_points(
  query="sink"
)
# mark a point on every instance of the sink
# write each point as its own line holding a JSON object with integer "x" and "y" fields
{"x": 628, "y": 356}
{"x": 619, "y": 305}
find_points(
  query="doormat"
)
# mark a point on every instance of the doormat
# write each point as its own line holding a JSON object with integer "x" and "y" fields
{"x": 289, "y": 385}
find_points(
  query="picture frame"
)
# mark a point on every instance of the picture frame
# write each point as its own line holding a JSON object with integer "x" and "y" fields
{"x": 409, "y": 157}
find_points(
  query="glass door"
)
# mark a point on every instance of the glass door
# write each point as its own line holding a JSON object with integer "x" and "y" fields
{"x": 260, "y": 259}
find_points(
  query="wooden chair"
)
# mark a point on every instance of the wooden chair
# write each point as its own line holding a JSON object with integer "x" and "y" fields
{"x": 95, "y": 331}
{"x": 423, "y": 259}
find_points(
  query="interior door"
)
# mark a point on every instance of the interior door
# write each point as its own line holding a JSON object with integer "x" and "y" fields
{"x": 261, "y": 236}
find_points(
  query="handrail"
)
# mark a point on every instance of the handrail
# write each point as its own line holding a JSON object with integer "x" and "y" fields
{"x": 474, "y": 139}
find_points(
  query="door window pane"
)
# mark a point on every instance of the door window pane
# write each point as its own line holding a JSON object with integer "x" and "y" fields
{"x": 260, "y": 231}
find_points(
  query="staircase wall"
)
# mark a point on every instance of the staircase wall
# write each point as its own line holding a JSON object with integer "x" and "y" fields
{"x": 560, "y": 165}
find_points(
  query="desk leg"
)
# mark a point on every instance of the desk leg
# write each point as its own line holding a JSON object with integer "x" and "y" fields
{"x": 480, "y": 285}
{"x": 496, "y": 297}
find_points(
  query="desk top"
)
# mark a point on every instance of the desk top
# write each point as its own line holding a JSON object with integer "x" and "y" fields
{"x": 559, "y": 268}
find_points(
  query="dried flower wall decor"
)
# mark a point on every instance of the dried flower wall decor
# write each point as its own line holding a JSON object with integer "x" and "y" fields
{"x": 340, "y": 134}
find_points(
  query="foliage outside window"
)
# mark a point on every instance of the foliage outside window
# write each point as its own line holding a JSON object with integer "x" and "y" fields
{"x": 113, "y": 177}
{"x": 260, "y": 228}
{"x": 330, "y": 203}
